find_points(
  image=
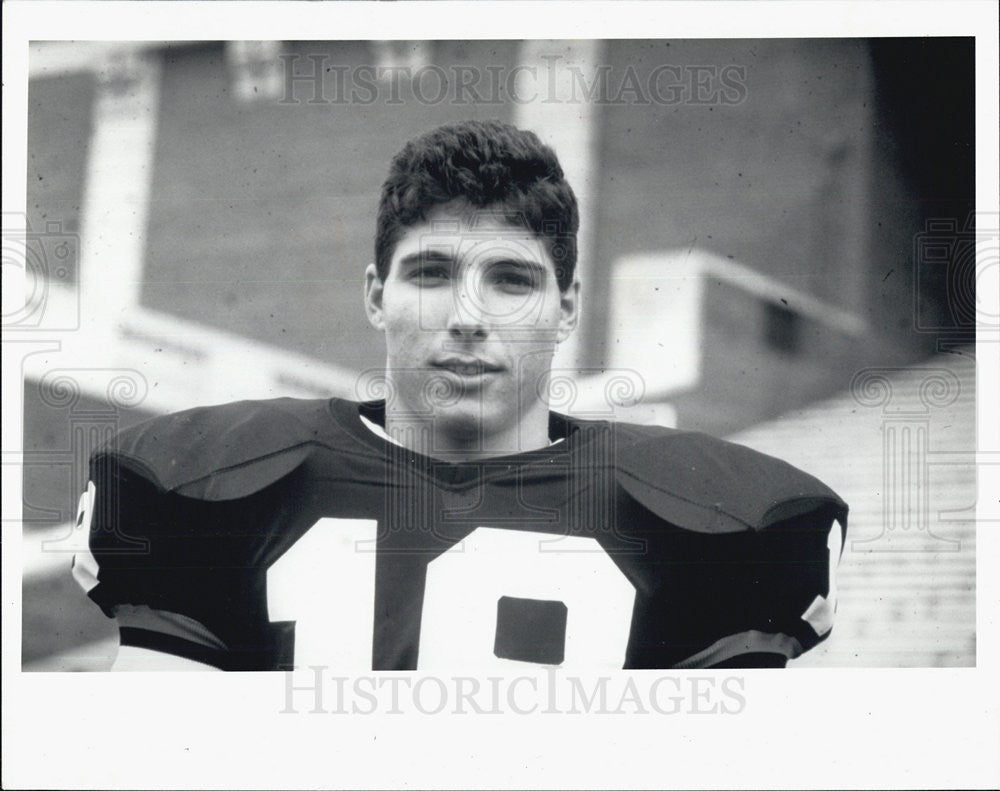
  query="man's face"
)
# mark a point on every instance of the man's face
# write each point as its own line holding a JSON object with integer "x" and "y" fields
{"x": 472, "y": 313}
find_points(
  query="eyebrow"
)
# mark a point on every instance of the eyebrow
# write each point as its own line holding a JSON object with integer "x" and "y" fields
{"x": 520, "y": 263}
{"x": 426, "y": 257}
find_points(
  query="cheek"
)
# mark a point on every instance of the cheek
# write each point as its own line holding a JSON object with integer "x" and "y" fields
{"x": 401, "y": 316}
{"x": 533, "y": 373}
{"x": 411, "y": 314}
{"x": 541, "y": 328}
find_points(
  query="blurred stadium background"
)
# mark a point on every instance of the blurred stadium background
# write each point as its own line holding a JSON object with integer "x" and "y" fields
{"x": 777, "y": 247}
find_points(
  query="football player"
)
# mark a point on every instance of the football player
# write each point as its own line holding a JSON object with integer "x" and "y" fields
{"x": 457, "y": 523}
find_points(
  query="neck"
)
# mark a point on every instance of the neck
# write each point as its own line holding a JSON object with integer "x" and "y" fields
{"x": 450, "y": 438}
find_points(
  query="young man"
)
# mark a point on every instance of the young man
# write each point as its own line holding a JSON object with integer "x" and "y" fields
{"x": 457, "y": 524}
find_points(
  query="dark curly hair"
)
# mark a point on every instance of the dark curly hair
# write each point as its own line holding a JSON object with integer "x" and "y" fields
{"x": 492, "y": 165}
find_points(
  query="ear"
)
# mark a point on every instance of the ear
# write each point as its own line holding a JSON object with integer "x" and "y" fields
{"x": 569, "y": 311}
{"x": 374, "y": 289}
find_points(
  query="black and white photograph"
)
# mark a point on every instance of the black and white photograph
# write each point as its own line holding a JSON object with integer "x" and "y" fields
{"x": 496, "y": 383}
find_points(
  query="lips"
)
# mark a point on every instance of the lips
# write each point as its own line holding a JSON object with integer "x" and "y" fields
{"x": 467, "y": 366}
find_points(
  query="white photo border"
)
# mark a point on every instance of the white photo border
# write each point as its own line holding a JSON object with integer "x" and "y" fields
{"x": 812, "y": 728}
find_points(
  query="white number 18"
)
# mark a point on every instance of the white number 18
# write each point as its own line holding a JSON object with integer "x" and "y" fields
{"x": 326, "y": 583}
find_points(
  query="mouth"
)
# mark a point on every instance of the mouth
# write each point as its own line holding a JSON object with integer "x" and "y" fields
{"x": 469, "y": 367}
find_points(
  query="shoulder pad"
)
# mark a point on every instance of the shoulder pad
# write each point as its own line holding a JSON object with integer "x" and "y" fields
{"x": 709, "y": 485}
{"x": 220, "y": 452}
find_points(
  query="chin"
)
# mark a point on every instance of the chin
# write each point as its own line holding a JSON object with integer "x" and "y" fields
{"x": 470, "y": 422}
{"x": 462, "y": 420}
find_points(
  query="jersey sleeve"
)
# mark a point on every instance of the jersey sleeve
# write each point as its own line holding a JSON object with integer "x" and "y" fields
{"x": 749, "y": 598}
{"x": 742, "y": 557}
{"x": 782, "y": 595}
{"x": 163, "y": 566}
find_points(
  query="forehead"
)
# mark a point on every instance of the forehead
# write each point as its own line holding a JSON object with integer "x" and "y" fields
{"x": 466, "y": 234}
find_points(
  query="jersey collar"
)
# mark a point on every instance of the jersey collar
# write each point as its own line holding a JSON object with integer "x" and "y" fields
{"x": 353, "y": 416}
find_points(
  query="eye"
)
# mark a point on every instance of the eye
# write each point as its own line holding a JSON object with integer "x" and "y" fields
{"x": 430, "y": 275}
{"x": 513, "y": 279}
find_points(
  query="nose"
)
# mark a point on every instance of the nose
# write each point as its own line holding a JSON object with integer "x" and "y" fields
{"x": 467, "y": 319}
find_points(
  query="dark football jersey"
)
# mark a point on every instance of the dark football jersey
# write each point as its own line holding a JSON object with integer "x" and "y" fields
{"x": 267, "y": 535}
